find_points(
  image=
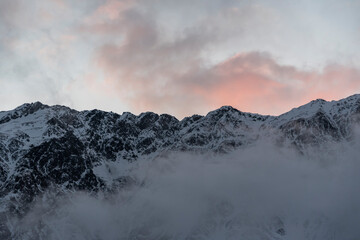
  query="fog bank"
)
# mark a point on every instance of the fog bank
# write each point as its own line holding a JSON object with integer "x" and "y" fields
{"x": 262, "y": 192}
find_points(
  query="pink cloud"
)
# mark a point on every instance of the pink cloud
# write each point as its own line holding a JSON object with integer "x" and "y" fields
{"x": 251, "y": 82}
{"x": 153, "y": 75}
{"x": 256, "y": 82}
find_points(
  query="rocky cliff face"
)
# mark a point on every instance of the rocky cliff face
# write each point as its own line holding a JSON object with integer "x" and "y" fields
{"x": 54, "y": 146}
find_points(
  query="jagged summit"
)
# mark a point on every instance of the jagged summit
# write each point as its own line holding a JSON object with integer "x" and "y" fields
{"x": 36, "y": 104}
{"x": 28, "y": 108}
{"x": 313, "y": 106}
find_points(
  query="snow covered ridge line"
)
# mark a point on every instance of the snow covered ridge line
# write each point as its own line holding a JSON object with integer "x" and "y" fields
{"x": 56, "y": 147}
{"x": 42, "y": 145}
{"x": 128, "y": 136}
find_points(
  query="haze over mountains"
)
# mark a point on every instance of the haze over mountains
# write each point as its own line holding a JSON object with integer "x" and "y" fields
{"x": 96, "y": 161}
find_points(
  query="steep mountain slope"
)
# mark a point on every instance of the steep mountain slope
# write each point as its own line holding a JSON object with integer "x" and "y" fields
{"x": 320, "y": 121}
{"x": 54, "y": 146}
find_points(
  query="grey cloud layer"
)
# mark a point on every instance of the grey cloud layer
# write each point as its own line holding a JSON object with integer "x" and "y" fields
{"x": 251, "y": 193}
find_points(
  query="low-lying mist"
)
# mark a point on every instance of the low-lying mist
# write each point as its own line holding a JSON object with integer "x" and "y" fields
{"x": 261, "y": 192}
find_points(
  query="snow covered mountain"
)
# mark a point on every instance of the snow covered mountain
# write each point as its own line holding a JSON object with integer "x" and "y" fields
{"x": 44, "y": 147}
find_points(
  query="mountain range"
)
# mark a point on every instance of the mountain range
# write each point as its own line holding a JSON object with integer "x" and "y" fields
{"x": 44, "y": 147}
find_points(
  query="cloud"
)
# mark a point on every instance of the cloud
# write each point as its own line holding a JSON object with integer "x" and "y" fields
{"x": 140, "y": 63}
{"x": 147, "y": 69}
{"x": 36, "y": 52}
{"x": 252, "y": 193}
{"x": 163, "y": 75}
{"x": 256, "y": 82}
{"x": 155, "y": 73}
{"x": 145, "y": 56}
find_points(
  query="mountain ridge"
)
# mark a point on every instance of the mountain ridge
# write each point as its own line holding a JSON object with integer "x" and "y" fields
{"x": 93, "y": 150}
{"x": 39, "y": 103}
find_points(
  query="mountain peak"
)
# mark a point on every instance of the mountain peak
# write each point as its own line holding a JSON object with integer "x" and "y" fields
{"x": 228, "y": 108}
{"x": 34, "y": 106}
{"x": 319, "y": 100}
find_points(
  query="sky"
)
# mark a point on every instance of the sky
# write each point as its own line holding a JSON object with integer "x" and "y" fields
{"x": 178, "y": 57}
